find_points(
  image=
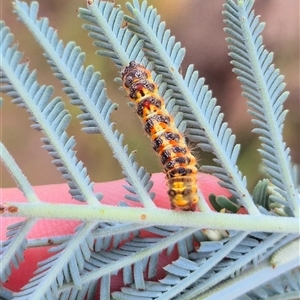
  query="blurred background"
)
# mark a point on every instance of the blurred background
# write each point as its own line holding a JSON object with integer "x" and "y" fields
{"x": 199, "y": 27}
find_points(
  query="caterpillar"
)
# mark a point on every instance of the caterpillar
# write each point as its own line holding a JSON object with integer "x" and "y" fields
{"x": 178, "y": 163}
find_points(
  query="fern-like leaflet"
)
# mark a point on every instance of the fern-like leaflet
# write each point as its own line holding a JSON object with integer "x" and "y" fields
{"x": 263, "y": 86}
{"x": 205, "y": 125}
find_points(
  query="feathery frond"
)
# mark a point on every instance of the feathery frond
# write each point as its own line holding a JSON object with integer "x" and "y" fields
{"x": 286, "y": 286}
{"x": 204, "y": 121}
{"x": 48, "y": 115}
{"x": 63, "y": 267}
{"x": 213, "y": 262}
{"x": 91, "y": 97}
{"x": 263, "y": 86}
{"x": 133, "y": 257}
{"x": 119, "y": 43}
{"x": 52, "y": 119}
{"x": 12, "y": 249}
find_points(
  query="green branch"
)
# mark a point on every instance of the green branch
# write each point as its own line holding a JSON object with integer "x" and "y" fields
{"x": 155, "y": 216}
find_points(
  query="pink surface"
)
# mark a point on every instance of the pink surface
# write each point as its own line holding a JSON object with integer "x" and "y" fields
{"x": 113, "y": 192}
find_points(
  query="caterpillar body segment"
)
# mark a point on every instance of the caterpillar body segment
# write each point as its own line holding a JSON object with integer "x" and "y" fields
{"x": 176, "y": 158}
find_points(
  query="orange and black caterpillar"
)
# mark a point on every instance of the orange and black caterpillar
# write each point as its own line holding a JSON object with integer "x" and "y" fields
{"x": 178, "y": 162}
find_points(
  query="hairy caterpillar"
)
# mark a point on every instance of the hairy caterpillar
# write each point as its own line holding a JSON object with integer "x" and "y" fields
{"x": 178, "y": 162}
